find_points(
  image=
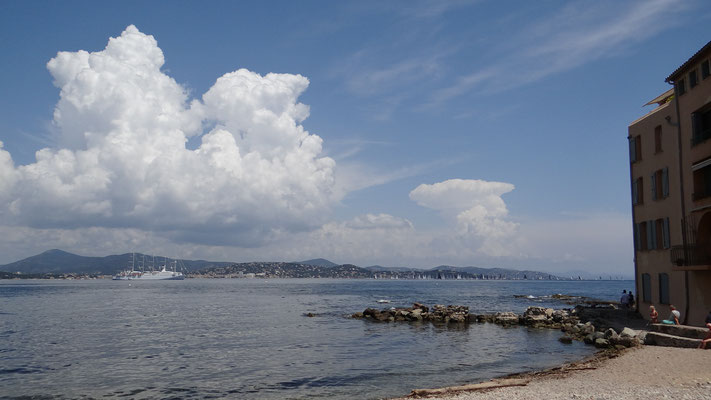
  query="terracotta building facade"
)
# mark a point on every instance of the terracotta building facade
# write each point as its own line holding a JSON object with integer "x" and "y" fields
{"x": 670, "y": 177}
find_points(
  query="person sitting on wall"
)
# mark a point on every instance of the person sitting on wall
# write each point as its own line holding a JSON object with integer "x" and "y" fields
{"x": 673, "y": 317}
{"x": 653, "y": 315}
{"x": 625, "y": 299}
{"x": 630, "y": 300}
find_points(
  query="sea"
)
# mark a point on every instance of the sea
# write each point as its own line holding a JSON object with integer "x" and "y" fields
{"x": 253, "y": 338}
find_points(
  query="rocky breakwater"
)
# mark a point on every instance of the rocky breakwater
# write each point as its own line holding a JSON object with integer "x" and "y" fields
{"x": 418, "y": 312}
{"x": 567, "y": 320}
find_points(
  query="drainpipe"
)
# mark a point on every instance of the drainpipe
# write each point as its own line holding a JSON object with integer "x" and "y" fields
{"x": 684, "y": 239}
{"x": 634, "y": 245}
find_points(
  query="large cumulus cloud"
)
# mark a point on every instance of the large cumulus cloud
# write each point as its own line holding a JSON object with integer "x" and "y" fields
{"x": 478, "y": 209}
{"x": 122, "y": 161}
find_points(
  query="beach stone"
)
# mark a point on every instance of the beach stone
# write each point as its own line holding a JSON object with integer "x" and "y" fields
{"x": 549, "y": 312}
{"x": 588, "y": 328}
{"x": 601, "y": 343}
{"x": 627, "y": 332}
{"x": 566, "y": 339}
{"x": 610, "y": 333}
{"x": 598, "y": 335}
{"x": 626, "y": 341}
{"x": 357, "y": 315}
{"x": 589, "y": 339}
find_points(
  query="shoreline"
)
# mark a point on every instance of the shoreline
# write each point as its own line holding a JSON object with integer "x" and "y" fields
{"x": 635, "y": 373}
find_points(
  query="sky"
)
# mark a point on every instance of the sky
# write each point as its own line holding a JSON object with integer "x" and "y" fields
{"x": 402, "y": 133}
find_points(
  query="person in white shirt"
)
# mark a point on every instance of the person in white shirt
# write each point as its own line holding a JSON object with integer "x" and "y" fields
{"x": 674, "y": 317}
{"x": 625, "y": 299}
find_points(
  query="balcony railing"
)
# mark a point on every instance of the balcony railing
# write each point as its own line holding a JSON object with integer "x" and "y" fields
{"x": 694, "y": 255}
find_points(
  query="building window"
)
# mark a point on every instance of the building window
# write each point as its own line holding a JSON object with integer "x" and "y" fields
{"x": 705, "y": 72}
{"x": 702, "y": 181}
{"x": 646, "y": 288}
{"x": 700, "y": 126}
{"x": 658, "y": 139}
{"x": 693, "y": 79}
{"x": 637, "y": 191}
{"x": 664, "y": 288}
{"x": 680, "y": 87}
{"x": 660, "y": 184}
{"x": 635, "y": 149}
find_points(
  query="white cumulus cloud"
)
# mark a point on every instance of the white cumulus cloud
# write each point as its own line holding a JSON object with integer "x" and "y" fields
{"x": 478, "y": 209}
{"x": 122, "y": 161}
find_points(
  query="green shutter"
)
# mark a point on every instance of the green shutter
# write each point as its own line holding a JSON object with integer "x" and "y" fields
{"x": 637, "y": 244}
{"x": 650, "y": 238}
{"x": 665, "y": 182}
{"x": 667, "y": 241}
{"x": 695, "y": 127}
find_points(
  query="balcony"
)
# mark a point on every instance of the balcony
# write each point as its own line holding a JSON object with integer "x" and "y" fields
{"x": 695, "y": 258}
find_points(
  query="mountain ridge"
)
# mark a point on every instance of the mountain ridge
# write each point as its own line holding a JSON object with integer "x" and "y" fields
{"x": 58, "y": 261}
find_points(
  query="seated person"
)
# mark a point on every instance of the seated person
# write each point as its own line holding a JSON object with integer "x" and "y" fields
{"x": 653, "y": 315}
{"x": 673, "y": 317}
{"x": 707, "y": 339}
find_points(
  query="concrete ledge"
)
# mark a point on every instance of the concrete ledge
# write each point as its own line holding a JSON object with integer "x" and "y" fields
{"x": 663, "y": 339}
{"x": 692, "y": 332}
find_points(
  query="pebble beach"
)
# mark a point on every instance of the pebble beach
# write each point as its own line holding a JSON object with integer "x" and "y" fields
{"x": 648, "y": 372}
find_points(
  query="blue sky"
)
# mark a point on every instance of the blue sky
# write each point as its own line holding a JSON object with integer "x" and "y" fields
{"x": 461, "y": 133}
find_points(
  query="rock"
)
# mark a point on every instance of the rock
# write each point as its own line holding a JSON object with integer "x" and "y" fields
{"x": 619, "y": 347}
{"x": 505, "y": 318}
{"x": 626, "y": 341}
{"x": 355, "y": 315}
{"x": 598, "y": 335}
{"x": 588, "y": 328}
{"x": 601, "y": 343}
{"x": 549, "y": 312}
{"x": 610, "y": 333}
{"x": 627, "y": 332}
{"x": 589, "y": 339}
{"x": 566, "y": 339}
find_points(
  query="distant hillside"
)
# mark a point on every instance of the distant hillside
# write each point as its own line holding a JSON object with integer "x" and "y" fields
{"x": 321, "y": 262}
{"x": 500, "y": 273}
{"x": 284, "y": 270}
{"x": 59, "y": 262}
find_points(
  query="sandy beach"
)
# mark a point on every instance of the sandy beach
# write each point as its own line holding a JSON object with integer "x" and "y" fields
{"x": 647, "y": 372}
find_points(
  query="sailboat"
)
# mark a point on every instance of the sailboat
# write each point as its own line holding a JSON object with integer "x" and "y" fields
{"x": 168, "y": 271}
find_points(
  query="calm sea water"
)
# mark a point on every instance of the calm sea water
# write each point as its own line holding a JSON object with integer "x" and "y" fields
{"x": 247, "y": 338}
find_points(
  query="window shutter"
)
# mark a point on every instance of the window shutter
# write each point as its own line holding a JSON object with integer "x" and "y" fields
{"x": 633, "y": 150}
{"x": 651, "y": 239}
{"x": 635, "y": 192}
{"x": 637, "y": 244}
{"x": 665, "y": 228}
{"x": 695, "y": 127}
{"x": 653, "y": 185}
{"x": 665, "y": 182}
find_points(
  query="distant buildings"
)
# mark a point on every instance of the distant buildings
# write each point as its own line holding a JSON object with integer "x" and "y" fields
{"x": 670, "y": 173}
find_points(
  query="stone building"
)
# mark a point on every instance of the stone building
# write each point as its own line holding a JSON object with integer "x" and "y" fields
{"x": 670, "y": 174}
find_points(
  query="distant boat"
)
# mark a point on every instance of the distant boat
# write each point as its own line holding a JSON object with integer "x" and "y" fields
{"x": 382, "y": 301}
{"x": 142, "y": 274}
